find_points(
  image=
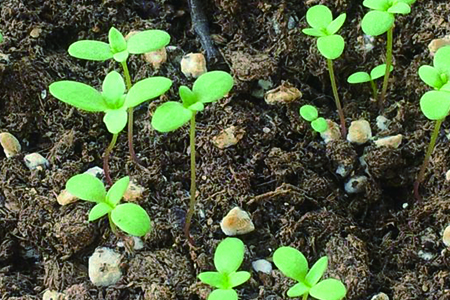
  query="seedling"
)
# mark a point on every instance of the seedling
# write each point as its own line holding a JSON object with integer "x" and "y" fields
{"x": 112, "y": 100}
{"x": 361, "y": 77}
{"x": 1, "y": 37}
{"x": 330, "y": 44}
{"x": 171, "y": 115}
{"x": 227, "y": 260}
{"x": 129, "y": 217}
{"x": 119, "y": 49}
{"x": 435, "y": 104}
{"x": 380, "y": 20}
{"x": 310, "y": 114}
{"x": 293, "y": 264}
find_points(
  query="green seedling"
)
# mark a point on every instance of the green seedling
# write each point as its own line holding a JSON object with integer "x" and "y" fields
{"x": 293, "y": 264}
{"x": 381, "y": 19}
{"x": 227, "y": 260}
{"x": 310, "y": 114}
{"x": 330, "y": 44}
{"x": 1, "y": 37}
{"x": 361, "y": 77}
{"x": 171, "y": 115}
{"x": 435, "y": 104}
{"x": 119, "y": 49}
{"x": 112, "y": 100}
{"x": 129, "y": 217}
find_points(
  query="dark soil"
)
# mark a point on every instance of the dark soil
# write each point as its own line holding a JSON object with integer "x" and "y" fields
{"x": 279, "y": 172}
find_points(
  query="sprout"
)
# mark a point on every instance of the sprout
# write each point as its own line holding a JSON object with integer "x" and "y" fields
{"x": 310, "y": 114}
{"x": 361, "y": 77}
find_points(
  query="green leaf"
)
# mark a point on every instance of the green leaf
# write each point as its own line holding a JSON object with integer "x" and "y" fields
{"x": 445, "y": 87}
{"x": 316, "y": 272}
{"x": 328, "y": 289}
{"x": 198, "y": 106}
{"x": 131, "y": 218}
{"x": 116, "y": 40}
{"x": 377, "y": 22}
{"x": 409, "y": 2}
{"x": 147, "y": 89}
{"x": 319, "y": 16}
{"x": 187, "y": 96}
{"x": 223, "y": 295}
{"x": 214, "y": 279}
{"x": 359, "y": 77}
{"x": 91, "y": 50}
{"x": 400, "y": 8}
{"x": 87, "y": 187}
{"x": 382, "y": 5}
{"x": 212, "y": 86}
{"x": 441, "y": 60}
{"x": 238, "y": 278}
{"x": 435, "y": 105}
{"x": 291, "y": 262}
{"x": 309, "y": 112}
{"x": 430, "y": 76}
{"x": 331, "y": 46}
{"x": 1, "y": 37}
{"x": 170, "y": 116}
{"x": 319, "y": 125}
{"x": 115, "y": 120}
{"x": 121, "y": 56}
{"x": 98, "y": 211}
{"x": 298, "y": 290}
{"x": 337, "y": 23}
{"x": 113, "y": 89}
{"x": 147, "y": 41}
{"x": 229, "y": 255}
{"x": 117, "y": 191}
{"x": 79, "y": 95}
{"x": 313, "y": 32}
{"x": 379, "y": 71}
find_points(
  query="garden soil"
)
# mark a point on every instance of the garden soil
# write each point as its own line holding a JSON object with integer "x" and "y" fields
{"x": 283, "y": 175}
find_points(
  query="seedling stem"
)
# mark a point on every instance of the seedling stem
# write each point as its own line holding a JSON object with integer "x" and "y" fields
{"x": 106, "y": 158}
{"x": 388, "y": 66}
{"x": 192, "y": 201}
{"x": 336, "y": 97}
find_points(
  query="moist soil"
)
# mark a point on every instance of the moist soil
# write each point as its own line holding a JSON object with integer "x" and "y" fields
{"x": 284, "y": 176}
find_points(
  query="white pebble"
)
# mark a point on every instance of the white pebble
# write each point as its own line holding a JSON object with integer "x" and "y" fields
{"x": 134, "y": 192}
{"x": 53, "y": 295}
{"x": 156, "y": 58}
{"x": 380, "y": 296}
{"x": 104, "y": 267}
{"x": 447, "y": 176}
{"x": 10, "y": 144}
{"x": 333, "y": 132}
{"x": 446, "y": 236}
{"x": 138, "y": 243}
{"x": 359, "y": 132}
{"x": 343, "y": 171}
{"x": 193, "y": 65}
{"x": 390, "y": 141}
{"x": 237, "y": 222}
{"x": 35, "y": 161}
{"x": 425, "y": 255}
{"x": 382, "y": 122}
{"x": 65, "y": 198}
{"x": 262, "y": 265}
{"x": 356, "y": 185}
{"x": 95, "y": 171}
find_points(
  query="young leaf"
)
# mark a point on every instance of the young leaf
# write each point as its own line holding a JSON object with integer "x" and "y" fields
{"x": 379, "y": 71}
{"x": 147, "y": 41}
{"x": 121, "y": 56}
{"x": 86, "y": 187}
{"x": 291, "y": 262}
{"x": 299, "y": 289}
{"x": 116, "y": 40}
{"x": 131, "y": 218}
{"x": 115, "y": 120}
{"x": 170, "y": 116}
{"x": 197, "y": 106}
{"x": 399, "y": 8}
{"x": 309, "y": 113}
{"x": 430, "y": 76}
{"x": 359, "y": 77}
{"x": 187, "y": 96}
{"x": 212, "y": 86}
{"x": 316, "y": 272}
{"x": 328, "y": 289}
{"x": 229, "y": 255}
{"x": 223, "y": 295}
{"x": 113, "y": 89}
{"x": 91, "y": 50}
{"x": 147, "y": 89}
{"x": 435, "y": 105}
{"x": 313, "y": 32}
{"x": 331, "y": 46}
{"x": 382, "y": 5}
{"x": 79, "y": 95}
{"x": 337, "y": 23}
{"x": 409, "y": 2}
{"x": 117, "y": 191}
{"x": 377, "y": 22}
{"x": 98, "y": 211}
{"x": 238, "y": 278}
{"x": 441, "y": 60}
{"x": 319, "y": 16}
{"x": 214, "y": 279}
{"x": 319, "y": 124}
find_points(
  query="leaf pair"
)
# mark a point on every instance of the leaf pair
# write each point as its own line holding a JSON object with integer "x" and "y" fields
{"x": 209, "y": 87}
{"x": 360, "y": 77}
{"x": 320, "y": 18}
{"x": 112, "y": 100}
{"x": 381, "y": 18}
{"x": 119, "y": 48}
{"x": 310, "y": 114}
{"x": 227, "y": 260}
{"x": 129, "y": 217}
{"x": 293, "y": 264}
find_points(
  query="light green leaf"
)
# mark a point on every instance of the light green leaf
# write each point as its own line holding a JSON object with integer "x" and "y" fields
{"x": 409, "y": 2}
{"x": 445, "y": 87}
{"x": 430, "y": 76}
{"x": 212, "y": 86}
{"x": 379, "y": 71}
{"x": 435, "y": 105}
{"x": 98, "y": 211}
{"x": 214, "y": 279}
{"x": 147, "y": 41}
{"x": 313, "y": 32}
{"x": 86, "y": 187}
{"x": 291, "y": 262}
{"x": 298, "y": 290}
{"x": 328, "y": 289}
{"x": 132, "y": 219}
{"x": 1, "y": 37}
{"x": 187, "y": 96}
{"x": 116, "y": 40}
{"x": 400, "y": 8}
{"x": 331, "y": 46}
{"x": 319, "y": 16}
{"x": 319, "y": 125}
{"x": 121, "y": 56}
{"x": 377, "y": 22}
{"x": 115, "y": 120}
{"x": 79, "y": 95}
{"x": 238, "y": 278}
{"x": 117, "y": 191}
{"x": 223, "y": 295}
{"x": 170, "y": 116}
{"x": 358, "y": 77}
{"x": 113, "y": 89}
{"x": 316, "y": 272}
{"x": 382, "y": 5}
{"x": 91, "y": 50}
{"x": 229, "y": 255}
{"x": 441, "y": 60}
{"x": 309, "y": 112}
{"x": 198, "y": 106}
{"x": 147, "y": 89}
{"x": 337, "y": 23}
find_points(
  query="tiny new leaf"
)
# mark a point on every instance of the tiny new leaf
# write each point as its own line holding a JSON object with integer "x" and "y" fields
{"x": 87, "y": 187}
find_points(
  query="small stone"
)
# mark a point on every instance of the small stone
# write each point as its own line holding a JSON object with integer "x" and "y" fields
{"x": 356, "y": 185}
{"x": 383, "y": 122}
{"x": 283, "y": 94}
{"x": 343, "y": 171}
{"x": 95, "y": 171}
{"x": 359, "y": 132}
{"x": 425, "y": 255}
{"x": 193, "y": 65}
{"x": 380, "y": 296}
{"x": 333, "y": 132}
{"x": 390, "y": 141}
{"x": 10, "y": 144}
{"x": 53, "y": 295}
{"x": 134, "y": 192}
{"x": 35, "y": 161}
{"x": 446, "y": 236}
{"x": 104, "y": 267}
{"x": 438, "y": 43}
{"x": 137, "y": 242}
{"x": 156, "y": 58}
{"x": 228, "y": 137}
{"x": 447, "y": 175}
{"x": 262, "y": 265}
{"x": 35, "y": 32}
{"x": 237, "y": 222}
{"x": 65, "y": 198}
